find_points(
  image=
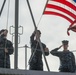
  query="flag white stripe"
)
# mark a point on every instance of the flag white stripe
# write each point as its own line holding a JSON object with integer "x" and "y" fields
{"x": 58, "y": 11}
{"x": 62, "y": 5}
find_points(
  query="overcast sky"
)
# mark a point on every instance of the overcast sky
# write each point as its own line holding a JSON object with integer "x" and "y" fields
{"x": 53, "y": 28}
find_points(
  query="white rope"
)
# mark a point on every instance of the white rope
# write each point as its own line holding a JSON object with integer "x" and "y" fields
{"x": 33, "y": 53}
{"x": 7, "y": 29}
{"x": 39, "y": 21}
{"x": 42, "y": 14}
{"x": 36, "y": 44}
{"x": 34, "y": 50}
{"x": 7, "y": 14}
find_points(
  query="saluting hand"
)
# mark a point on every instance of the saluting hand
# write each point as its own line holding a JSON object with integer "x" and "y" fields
{"x": 46, "y": 49}
{"x": 2, "y": 33}
{"x": 60, "y": 46}
{"x": 6, "y": 50}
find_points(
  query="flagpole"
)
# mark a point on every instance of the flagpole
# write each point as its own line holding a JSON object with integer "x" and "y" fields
{"x": 45, "y": 6}
{"x": 16, "y": 34}
{"x": 39, "y": 39}
{"x": 31, "y": 14}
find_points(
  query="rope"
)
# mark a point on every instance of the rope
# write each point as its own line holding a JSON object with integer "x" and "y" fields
{"x": 32, "y": 49}
{"x": 39, "y": 21}
{"x": 39, "y": 39}
{"x": 33, "y": 53}
{"x": 2, "y": 7}
{"x": 7, "y": 29}
{"x": 42, "y": 14}
{"x": 7, "y": 14}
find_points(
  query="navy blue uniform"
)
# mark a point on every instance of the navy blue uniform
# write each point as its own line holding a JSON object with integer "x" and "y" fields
{"x": 36, "y": 62}
{"x": 67, "y": 60}
{"x": 4, "y": 57}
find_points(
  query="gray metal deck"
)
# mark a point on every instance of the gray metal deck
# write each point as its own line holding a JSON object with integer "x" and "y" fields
{"x": 29, "y": 72}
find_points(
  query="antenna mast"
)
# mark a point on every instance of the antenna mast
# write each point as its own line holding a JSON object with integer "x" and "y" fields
{"x": 16, "y": 34}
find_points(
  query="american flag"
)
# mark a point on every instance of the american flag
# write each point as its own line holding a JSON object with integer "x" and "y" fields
{"x": 63, "y": 8}
{"x": 72, "y": 27}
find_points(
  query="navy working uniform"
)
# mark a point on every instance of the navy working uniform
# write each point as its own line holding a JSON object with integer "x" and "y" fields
{"x": 4, "y": 57}
{"x": 67, "y": 60}
{"x": 36, "y": 62}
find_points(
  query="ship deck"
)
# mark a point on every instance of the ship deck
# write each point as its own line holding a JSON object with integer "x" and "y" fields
{"x": 30, "y": 72}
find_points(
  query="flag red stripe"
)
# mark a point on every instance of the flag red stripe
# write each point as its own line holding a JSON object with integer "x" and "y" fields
{"x": 58, "y": 14}
{"x": 61, "y": 9}
{"x": 73, "y": 23}
{"x": 66, "y": 3}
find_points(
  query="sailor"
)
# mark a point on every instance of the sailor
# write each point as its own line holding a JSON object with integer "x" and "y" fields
{"x": 6, "y": 49}
{"x": 67, "y": 58}
{"x": 36, "y": 53}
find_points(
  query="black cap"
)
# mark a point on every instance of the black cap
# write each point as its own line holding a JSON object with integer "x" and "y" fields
{"x": 3, "y": 30}
{"x": 65, "y": 42}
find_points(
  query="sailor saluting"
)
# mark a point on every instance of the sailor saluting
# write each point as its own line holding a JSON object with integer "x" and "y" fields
{"x": 6, "y": 49}
{"x": 67, "y": 59}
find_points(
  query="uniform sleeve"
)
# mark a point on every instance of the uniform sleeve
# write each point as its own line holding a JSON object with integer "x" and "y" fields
{"x": 2, "y": 52}
{"x": 73, "y": 62}
{"x": 46, "y": 53}
{"x": 55, "y": 52}
{"x": 32, "y": 38}
{"x": 10, "y": 48}
{"x": 1, "y": 40}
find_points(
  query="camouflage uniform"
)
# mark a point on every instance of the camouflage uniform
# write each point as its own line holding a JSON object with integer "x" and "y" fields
{"x": 36, "y": 62}
{"x": 67, "y": 60}
{"x": 4, "y": 57}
